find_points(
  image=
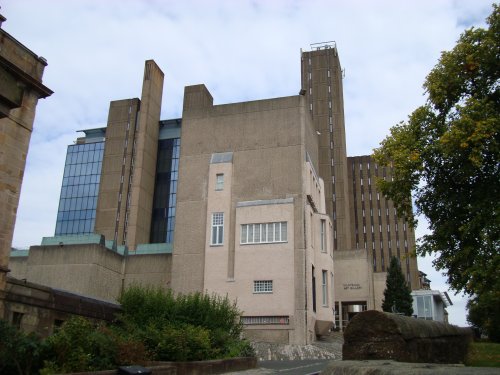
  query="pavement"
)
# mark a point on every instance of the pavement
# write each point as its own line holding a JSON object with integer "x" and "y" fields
{"x": 296, "y": 359}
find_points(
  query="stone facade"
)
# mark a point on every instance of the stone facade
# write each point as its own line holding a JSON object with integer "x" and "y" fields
{"x": 37, "y": 308}
{"x": 21, "y": 86}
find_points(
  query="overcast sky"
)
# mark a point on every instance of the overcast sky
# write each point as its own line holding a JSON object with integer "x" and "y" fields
{"x": 241, "y": 50}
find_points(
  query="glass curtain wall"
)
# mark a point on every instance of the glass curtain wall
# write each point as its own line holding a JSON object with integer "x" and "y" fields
{"x": 165, "y": 195}
{"x": 80, "y": 188}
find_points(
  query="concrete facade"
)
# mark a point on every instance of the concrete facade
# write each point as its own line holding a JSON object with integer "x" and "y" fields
{"x": 90, "y": 269}
{"x": 261, "y": 151}
{"x": 129, "y": 164}
{"x": 322, "y": 82}
{"x": 377, "y": 229}
{"x": 266, "y": 205}
{"x": 21, "y": 86}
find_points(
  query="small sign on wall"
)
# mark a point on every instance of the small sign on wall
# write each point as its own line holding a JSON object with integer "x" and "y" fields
{"x": 351, "y": 286}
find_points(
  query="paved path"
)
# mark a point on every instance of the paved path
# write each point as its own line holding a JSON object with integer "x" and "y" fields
{"x": 296, "y": 360}
{"x": 297, "y": 367}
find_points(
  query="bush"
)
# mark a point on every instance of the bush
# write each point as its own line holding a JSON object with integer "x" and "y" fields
{"x": 154, "y": 325}
{"x": 240, "y": 348}
{"x": 183, "y": 343}
{"x": 19, "y": 352}
{"x": 151, "y": 314}
{"x": 144, "y": 305}
{"x": 80, "y": 345}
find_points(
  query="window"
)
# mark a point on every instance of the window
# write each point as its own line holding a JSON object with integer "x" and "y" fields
{"x": 265, "y": 320}
{"x": 17, "y": 318}
{"x": 324, "y": 287}
{"x": 313, "y": 289}
{"x": 323, "y": 235}
{"x": 219, "y": 181}
{"x": 263, "y": 286}
{"x": 424, "y": 307}
{"x": 217, "y": 228}
{"x": 264, "y": 233}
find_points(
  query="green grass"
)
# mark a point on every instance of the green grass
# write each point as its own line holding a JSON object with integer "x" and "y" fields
{"x": 484, "y": 354}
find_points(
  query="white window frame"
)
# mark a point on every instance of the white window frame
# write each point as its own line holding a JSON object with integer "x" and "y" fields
{"x": 261, "y": 233}
{"x": 262, "y": 286}
{"x": 219, "y": 181}
{"x": 323, "y": 235}
{"x": 324, "y": 287}
{"x": 217, "y": 233}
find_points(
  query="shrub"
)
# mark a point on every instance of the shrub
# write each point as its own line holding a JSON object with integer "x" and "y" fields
{"x": 151, "y": 314}
{"x": 145, "y": 305}
{"x": 240, "y": 348}
{"x": 19, "y": 352}
{"x": 78, "y": 345}
{"x": 183, "y": 343}
{"x": 130, "y": 351}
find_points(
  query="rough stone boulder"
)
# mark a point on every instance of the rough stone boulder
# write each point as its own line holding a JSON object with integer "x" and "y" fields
{"x": 378, "y": 335}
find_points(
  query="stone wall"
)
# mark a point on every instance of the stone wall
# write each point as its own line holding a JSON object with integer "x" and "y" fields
{"x": 21, "y": 86}
{"x": 37, "y": 308}
{"x": 377, "y": 335}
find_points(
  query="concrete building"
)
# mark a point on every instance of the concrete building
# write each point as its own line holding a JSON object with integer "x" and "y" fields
{"x": 254, "y": 200}
{"x": 20, "y": 88}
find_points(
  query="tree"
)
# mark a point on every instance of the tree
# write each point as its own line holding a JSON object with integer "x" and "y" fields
{"x": 397, "y": 293}
{"x": 448, "y": 155}
{"x": 484, "y": 314}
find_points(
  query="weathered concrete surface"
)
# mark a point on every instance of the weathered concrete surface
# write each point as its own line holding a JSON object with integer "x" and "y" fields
{"x": 328, "y": 347}
{"x": 378, "y": 335}
{"x": 401, "y": 368}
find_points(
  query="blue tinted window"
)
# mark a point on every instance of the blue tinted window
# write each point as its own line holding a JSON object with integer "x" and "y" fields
{"x": 164, "y": 201}
{"x": 80, "y": 187}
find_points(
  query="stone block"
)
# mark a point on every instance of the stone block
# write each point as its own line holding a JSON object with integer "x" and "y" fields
{"x": 378, "y": 335}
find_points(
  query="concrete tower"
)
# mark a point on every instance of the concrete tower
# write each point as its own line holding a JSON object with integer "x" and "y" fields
{"x": 129, "y": 164}
{"x": 322, "y": 82}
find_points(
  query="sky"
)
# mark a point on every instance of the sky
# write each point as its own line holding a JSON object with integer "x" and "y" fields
{"x": 241, "y": 50}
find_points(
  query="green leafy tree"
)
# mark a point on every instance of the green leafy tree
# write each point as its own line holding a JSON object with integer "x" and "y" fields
{"x": 397, "y": 293}
{"x": 484, "y": 314}
{"x": 448, "y": 155}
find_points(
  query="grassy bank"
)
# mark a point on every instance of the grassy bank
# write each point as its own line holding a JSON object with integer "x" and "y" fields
{"x": 484, "y": 354}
